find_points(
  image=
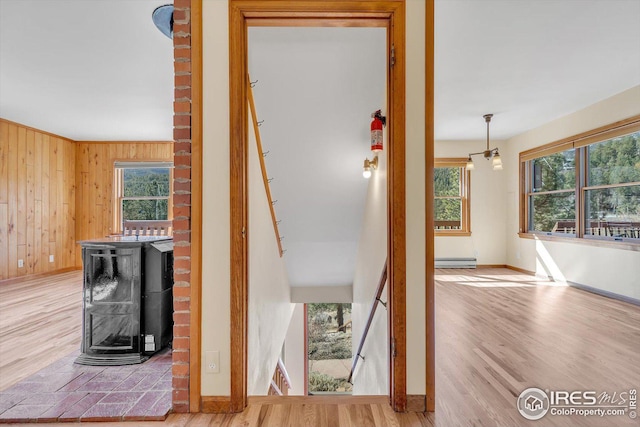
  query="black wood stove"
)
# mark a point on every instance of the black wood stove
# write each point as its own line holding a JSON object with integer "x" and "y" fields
{"x": 127, "y": 305}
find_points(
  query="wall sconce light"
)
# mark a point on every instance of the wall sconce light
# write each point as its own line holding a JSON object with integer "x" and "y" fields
{"x": 368, "y": 166}
{"x": 489, "y": 154}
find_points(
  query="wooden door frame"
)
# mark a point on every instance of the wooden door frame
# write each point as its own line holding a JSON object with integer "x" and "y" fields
{"x": 325, "y": 13}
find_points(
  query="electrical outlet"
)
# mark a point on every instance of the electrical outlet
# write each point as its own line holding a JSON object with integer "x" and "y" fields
{"x": 50, "y": 258}
{"x": 212, "y": 362}
{"x": 20, "y": 263}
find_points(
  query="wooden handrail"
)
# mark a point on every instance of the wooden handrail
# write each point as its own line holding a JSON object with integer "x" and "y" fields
{"x": 263, "y": 167}
{"x": 280, "y": 382}
{"x": 374, "y": 305}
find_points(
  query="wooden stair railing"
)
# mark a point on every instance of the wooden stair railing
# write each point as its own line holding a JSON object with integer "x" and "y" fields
{"x": 263, "y": 167}
{"x": 372, "y": 312}
{"x": 280, "y": 383}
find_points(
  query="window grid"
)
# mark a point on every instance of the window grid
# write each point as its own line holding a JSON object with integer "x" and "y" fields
{"x": 119, "y": 168}
{"x": 583, "y": 227}
{"x": 443, "y": 229}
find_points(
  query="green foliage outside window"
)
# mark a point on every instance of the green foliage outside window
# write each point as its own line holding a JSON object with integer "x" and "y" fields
{"x": 616, "y": 161}
{"x": 146, "y": 194}
{"x": 611, "y": 193}
{"x": 448, "y": 197}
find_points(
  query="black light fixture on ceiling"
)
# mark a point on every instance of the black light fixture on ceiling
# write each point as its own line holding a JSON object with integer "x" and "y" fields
{"x": 489, "y": 153}
{"x": 163, "y": 18}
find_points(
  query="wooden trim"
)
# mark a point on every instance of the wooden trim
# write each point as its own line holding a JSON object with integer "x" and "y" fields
{"x": 604, "y": 293}
{"x": 242, "y": 13}
{"x": 19, "y": 279}
{"x": 416, "y": 403}
{"x": 465, "y": 195}
{"x": 319, "y": 400}
{"x": 238, "y": 205}
{"x": 520, "y": 270}
{"x": 37, "y": 130}
{"x": 619, "y": 128}
{"x": 263, "y": 166}
{"x": 491, "y": 266}
{"x": 626, "y": 245}
{"x": 601, "y": 187}
{"x": 306, "y": 350}
{"x": 195, "y": 334}
{"x": 124, "y": 142}
{"x": 215, "y": 404}
{"x": 429, "y": 201}
{"x": 603, "y": 133}
{"x": 451, "y": 233}
{"x": 317, "y": 22}
{"x": 443, "y": 162}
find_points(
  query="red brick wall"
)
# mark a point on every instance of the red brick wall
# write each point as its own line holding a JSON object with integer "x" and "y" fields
{"x": 182, "y": 204}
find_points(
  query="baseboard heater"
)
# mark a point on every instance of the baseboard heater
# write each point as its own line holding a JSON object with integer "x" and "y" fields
{"x": 455, "y": 262}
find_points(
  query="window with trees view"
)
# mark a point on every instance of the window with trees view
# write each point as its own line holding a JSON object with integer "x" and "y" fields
{"x": 588, "y": 187}
{"x": 143, "y": 191}
{"x": 451, "y": 197}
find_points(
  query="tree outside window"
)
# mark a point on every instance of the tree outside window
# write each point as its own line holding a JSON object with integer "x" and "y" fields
{"x": 451, "y": 197}
{"x": 143, "y": 191}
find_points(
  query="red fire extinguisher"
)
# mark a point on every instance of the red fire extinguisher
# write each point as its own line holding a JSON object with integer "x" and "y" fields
{"x": 377, "y": 124}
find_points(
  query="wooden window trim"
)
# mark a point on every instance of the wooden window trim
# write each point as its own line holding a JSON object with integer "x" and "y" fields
{"x": 465, "y": 195}
{"x": 579, "y": 142}
{"x": 118, "y": 187}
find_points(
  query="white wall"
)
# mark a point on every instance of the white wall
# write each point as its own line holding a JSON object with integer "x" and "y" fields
{"x": 315, "y": 294}
{"x": 215, "y": 197}
{"x": 294, "y": 351}
{"x": 215, "y": 246}
{"x": 488, "y": 207}
{"x": 609, "y": 269}
{"x": 415, "y": 192}
{"x": 372, "y": 374}
{"x": 270, "y": 308}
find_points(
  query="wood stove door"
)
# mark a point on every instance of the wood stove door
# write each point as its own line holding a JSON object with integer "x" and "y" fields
{"x": 112, "y": 292}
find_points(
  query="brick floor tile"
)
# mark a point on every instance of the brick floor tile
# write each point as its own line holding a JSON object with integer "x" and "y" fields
{"x": 106, "y": 411}
{"x": 79, "y": 408}
{"x": 122, "y": 397}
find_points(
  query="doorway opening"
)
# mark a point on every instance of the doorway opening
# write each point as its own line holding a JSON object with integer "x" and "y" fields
{"x": 329, "y": 348}
{"x": 382, "y": 14}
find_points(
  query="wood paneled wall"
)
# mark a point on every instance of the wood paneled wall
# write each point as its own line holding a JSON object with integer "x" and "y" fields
{"x": 94, "y": 178}
{"x": 55, "y": 192}
{"x": 37, "y": 201}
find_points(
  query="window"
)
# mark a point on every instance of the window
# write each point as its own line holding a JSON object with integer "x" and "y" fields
{"x": 143, "y": 191}
{"x": 451, "y": 204}
{"x": 587, "y": 186}
{"x": 552, "y": 194}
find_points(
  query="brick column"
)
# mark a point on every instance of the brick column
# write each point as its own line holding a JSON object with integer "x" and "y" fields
{"x": 182, "y": 204}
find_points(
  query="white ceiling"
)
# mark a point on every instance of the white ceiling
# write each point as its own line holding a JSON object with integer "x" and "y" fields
{"x": 529, "y": 62}
{"x": 86, "y": 69}
{"x": 100, "y": 70}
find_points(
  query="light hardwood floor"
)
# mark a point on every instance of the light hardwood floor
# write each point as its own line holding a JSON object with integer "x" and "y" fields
{"x": 40, "y": 322}
{"x": 498, "y": 332}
